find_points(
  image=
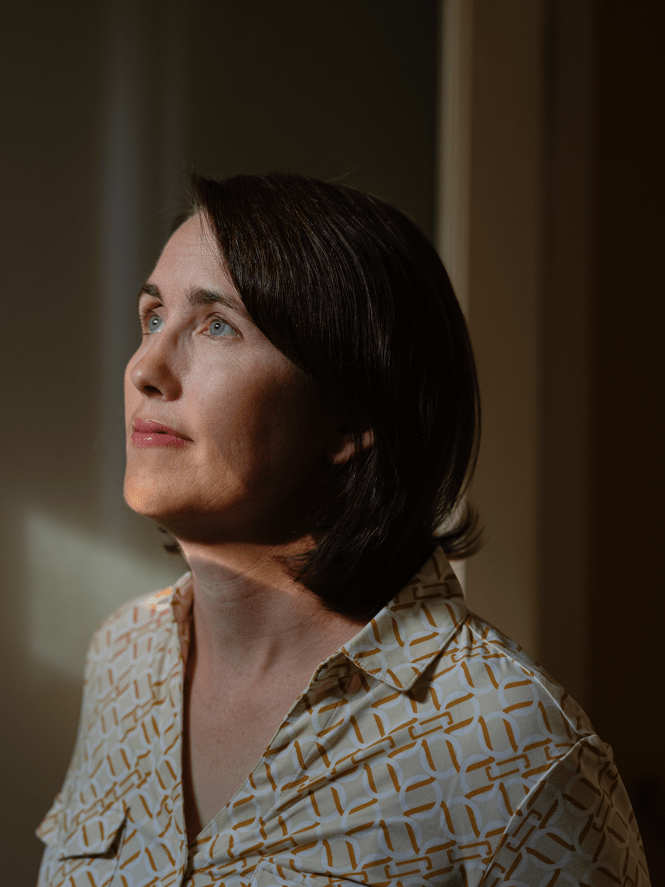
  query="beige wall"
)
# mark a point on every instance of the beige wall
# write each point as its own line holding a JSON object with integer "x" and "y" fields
{"x": 516, "y": 193}
{"x": 558, "y": 252}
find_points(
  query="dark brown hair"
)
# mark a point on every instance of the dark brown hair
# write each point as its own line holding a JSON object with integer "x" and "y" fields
{"x": 352, "y": 292}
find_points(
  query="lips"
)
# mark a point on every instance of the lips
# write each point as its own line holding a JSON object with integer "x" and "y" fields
{"x": 148, "y": 433}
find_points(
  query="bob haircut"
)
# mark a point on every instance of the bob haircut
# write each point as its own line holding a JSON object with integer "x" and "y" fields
{"x": 351, "y": 291}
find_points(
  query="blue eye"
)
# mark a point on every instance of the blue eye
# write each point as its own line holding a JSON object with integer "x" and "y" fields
{"x": 155, "y": 323}
{"x": 219, "y": 328}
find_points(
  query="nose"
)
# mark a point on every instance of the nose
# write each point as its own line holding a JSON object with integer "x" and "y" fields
{"x": 153, "y": 369}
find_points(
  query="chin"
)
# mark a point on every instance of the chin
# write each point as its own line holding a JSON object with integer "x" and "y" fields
{"x": 146, "y": 498}
{"x": 179, "y": 516}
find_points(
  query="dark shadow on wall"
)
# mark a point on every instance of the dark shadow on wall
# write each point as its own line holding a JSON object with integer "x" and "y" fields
{"x": 648, "y": 797}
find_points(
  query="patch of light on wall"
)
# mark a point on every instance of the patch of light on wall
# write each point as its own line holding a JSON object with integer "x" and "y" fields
{"x": 76, "y": 580}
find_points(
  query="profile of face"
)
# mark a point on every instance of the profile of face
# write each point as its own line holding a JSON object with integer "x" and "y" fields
{"x": 226, "y": 438}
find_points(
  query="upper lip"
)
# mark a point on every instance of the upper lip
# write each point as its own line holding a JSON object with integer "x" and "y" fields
{"x": 150, "y": 426}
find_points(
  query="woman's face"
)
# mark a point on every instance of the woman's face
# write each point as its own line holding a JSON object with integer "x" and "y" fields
{"x": 226, "y": 438}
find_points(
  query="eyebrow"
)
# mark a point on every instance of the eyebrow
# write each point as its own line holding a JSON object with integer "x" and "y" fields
{"x": 200, "y": 296}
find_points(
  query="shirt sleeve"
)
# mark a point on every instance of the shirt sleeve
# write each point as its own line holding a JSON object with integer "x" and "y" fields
{"x": 576, "y": 826}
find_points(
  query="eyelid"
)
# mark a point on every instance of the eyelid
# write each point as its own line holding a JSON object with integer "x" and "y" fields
{"x": 148, "y": 304}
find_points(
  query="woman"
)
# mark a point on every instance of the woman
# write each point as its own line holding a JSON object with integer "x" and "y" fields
{"x": 312, "y": 703}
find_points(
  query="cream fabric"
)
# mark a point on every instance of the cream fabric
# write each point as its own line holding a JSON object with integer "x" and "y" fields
{"x": 430, "y": 750}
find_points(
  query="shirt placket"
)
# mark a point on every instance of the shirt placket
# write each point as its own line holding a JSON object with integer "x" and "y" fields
{"x": 256, "y": 823}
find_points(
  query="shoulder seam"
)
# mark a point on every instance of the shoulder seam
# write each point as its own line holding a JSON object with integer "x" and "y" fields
{"x": 538, "y": 677}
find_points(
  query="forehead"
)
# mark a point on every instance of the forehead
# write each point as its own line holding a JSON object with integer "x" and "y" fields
{"x": 191, "y": 255}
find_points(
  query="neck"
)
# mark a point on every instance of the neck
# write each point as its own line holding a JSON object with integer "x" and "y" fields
{"x": 250, "y": 616}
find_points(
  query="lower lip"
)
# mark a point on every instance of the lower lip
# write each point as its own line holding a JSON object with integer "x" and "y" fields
{"x": 142, "y": 440}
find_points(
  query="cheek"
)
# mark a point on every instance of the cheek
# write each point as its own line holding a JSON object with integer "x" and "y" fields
{"x": 275, "y": 424}
{"x": 245, "y": 425}
{"x": 290, "y": 428}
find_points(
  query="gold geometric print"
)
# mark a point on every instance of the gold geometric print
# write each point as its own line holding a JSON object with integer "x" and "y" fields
{"x": 429, "y": 750}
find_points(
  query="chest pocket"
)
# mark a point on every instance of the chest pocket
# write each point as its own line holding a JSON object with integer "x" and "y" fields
{"x": 270, "y": 874}
{"x": 83, "y": 845}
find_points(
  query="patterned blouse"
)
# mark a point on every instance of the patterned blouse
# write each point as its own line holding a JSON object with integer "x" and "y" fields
{"x": 429, "y": 750}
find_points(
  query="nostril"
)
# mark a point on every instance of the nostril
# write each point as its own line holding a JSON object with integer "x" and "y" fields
{"x": 153, "y": 372}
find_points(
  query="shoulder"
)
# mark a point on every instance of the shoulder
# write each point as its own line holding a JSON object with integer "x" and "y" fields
{"x": 508, "y": 720}
{"x": 526, "y": 756}
{"x": 568, "y": 809}
{"x": 138, "y": 617}
{"x": 136, "y": 643}
{"x": 505, "y": 678}
{"x": 503, "y": 722}
{"x": 141, "y": 618}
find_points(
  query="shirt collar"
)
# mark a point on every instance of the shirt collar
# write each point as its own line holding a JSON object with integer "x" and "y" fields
{"x": 403, "y": 638}
{"x": 182, "y": 600}
{"x": 406, "y": 636}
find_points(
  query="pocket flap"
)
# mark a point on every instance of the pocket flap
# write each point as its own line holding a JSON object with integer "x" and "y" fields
{"x": 80, "y": 831}
{"x": 94, "y": 834}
